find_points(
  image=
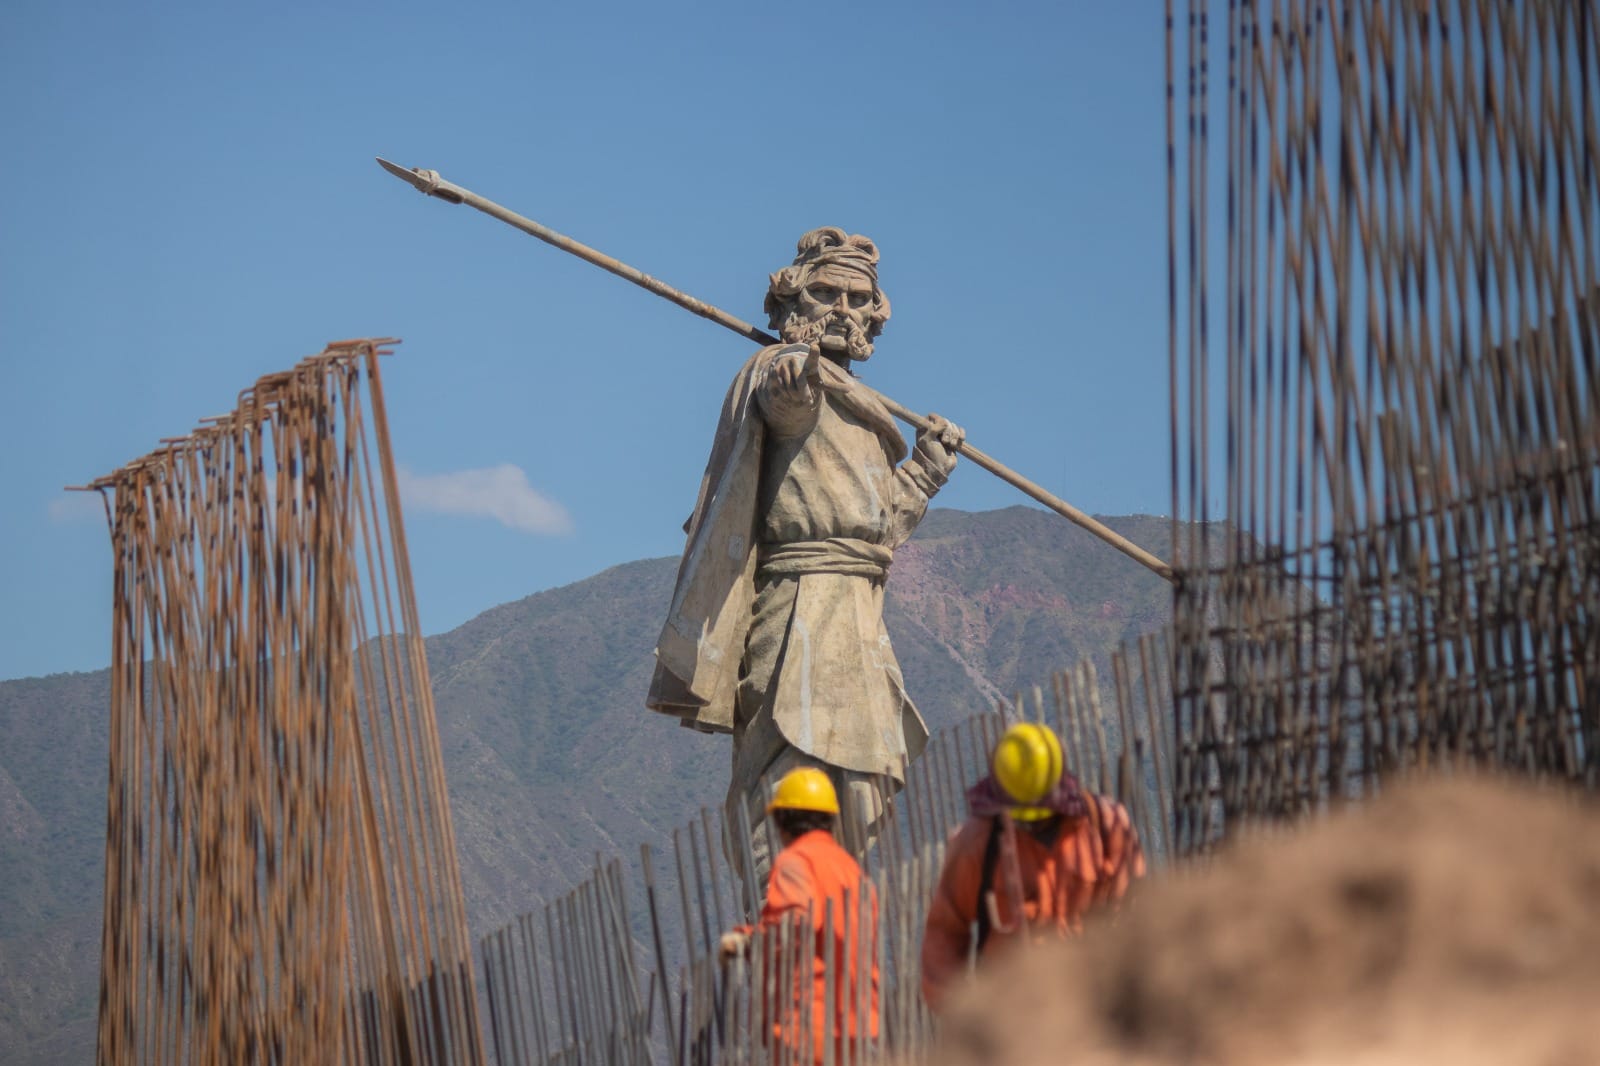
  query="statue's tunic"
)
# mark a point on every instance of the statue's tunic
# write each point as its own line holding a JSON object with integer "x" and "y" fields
{"x": 776, "y": 627}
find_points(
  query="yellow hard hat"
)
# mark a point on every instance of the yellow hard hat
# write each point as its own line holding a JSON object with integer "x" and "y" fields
{"x": 1027, "y": 764}
{"x": 805, "y": 789}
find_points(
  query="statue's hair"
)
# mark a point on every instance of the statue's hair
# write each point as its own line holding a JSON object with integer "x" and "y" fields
{"x": 826, "y": 246}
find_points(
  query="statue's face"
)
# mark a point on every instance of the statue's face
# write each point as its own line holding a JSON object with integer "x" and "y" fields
{"x": 834, "y": 309}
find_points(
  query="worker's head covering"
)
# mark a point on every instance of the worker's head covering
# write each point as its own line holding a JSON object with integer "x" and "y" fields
{"x": 1027, "y": 764}
{"x": 1027, "y": 777}
{"x": 805, "y": 789}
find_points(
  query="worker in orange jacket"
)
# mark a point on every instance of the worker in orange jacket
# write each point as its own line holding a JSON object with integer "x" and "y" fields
{"x": 810, "y": 873}
{"x": 1035, "y": 855}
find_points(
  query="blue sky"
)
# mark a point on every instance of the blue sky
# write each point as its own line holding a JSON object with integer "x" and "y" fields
{"x": 191, "y": 201}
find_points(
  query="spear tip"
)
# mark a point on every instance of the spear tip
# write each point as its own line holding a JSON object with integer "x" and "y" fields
{"x": 426, "y": 182}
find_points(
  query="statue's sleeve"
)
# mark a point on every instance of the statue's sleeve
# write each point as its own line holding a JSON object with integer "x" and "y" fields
{"x": 915, "y": 483}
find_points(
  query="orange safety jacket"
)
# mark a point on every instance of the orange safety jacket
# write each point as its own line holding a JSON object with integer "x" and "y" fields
{"x": 1093, "y": 857}
{"x": 812, "y": 871}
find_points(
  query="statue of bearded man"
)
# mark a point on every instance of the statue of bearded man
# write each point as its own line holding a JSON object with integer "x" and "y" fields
{"x": 775, "y": 632}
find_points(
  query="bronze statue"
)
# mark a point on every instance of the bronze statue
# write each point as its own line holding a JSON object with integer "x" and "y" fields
{"x": 775, "y": 632}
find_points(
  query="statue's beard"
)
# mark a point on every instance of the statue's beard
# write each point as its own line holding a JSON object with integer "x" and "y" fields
{"x": 797, "y": 329}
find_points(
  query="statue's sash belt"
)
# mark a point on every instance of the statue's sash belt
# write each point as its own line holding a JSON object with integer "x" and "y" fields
{"x": 836, "y": 555}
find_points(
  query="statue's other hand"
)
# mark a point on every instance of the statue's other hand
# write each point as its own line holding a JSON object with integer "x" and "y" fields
{"x": 732, "y": 945}
{"x": 936, "y": 445}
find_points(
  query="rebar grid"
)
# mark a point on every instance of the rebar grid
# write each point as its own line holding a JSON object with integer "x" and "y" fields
{"x": 1400, "y": 432}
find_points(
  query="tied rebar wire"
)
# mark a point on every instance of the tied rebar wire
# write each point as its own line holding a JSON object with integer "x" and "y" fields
{"x": 656, "y": 989}
{"x": 281, "y": 881}
{"x": 1401, "y": 438}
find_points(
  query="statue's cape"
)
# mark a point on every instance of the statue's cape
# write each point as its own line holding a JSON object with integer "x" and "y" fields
{"x": 702, "y": 642}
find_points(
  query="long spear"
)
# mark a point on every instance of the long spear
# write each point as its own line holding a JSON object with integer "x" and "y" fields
{"x": 430, "y": 183}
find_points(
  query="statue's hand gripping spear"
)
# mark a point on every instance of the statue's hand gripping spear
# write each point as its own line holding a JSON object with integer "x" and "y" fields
{"x": 430, "y": 183}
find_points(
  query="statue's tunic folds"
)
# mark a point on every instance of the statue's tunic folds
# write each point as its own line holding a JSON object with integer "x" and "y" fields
{"x": 775, "y": 631}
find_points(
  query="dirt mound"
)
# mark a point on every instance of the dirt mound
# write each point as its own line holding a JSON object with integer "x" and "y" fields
{"x": 1449, "y": 921}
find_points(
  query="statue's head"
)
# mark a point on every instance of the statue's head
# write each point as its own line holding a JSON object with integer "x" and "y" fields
{"x": 830, "y": 294}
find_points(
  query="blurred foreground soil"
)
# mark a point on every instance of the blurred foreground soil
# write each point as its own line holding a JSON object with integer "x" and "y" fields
{"x": 1452, "y": 921}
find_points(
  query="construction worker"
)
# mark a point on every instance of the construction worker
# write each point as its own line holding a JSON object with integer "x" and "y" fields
{"x": 1035, "y": 855}
{"x": 811, "y": 873}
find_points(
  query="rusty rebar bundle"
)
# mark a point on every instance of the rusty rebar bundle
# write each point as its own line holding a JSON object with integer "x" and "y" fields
{"x": 281, "y": 881}
{"x": 1384, "y": 385}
